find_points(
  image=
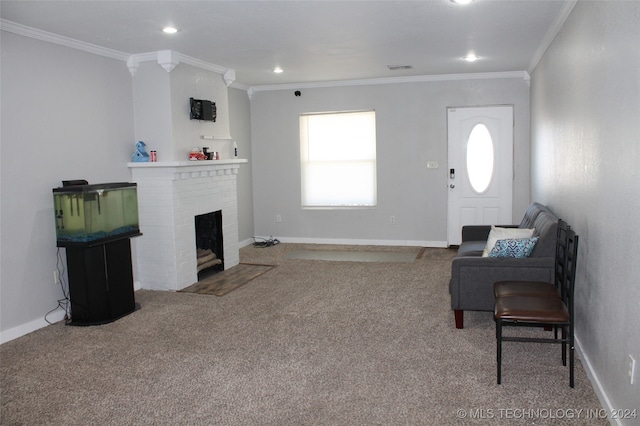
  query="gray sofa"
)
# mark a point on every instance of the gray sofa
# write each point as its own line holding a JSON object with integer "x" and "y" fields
{"x": 472, "y": 276}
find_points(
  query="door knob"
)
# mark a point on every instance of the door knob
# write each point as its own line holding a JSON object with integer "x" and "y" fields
{"x": 452, "y": 185}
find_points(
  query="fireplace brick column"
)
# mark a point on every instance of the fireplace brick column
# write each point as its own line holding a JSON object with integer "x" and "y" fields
{"x": 170, "y": 195}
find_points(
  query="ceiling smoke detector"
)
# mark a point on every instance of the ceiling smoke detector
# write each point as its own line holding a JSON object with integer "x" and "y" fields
{"x": 399, "y": 67}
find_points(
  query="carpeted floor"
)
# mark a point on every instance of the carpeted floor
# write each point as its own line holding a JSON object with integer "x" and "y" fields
{"x": 352, "y": 256}
{"x": 308, "y": 343}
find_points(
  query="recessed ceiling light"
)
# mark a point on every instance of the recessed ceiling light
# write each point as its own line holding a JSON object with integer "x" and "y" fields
{"x": 169, "y": 30}
{"x": 278, "y": 70}
{"x": 470, "y": 58}
{"x": 461, "y": 1}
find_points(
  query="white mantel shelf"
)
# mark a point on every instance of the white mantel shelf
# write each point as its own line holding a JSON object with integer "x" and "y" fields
{"x": 174, "y": 164}
{"x": 179, "y": 170}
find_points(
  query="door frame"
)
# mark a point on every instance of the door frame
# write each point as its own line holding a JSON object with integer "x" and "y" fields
{"x": 503, "y": 157}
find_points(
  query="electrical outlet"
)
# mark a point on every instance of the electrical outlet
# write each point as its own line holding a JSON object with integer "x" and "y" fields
{"x": 392, "y": 220}
{"x": 632, "y": 369}
{"x": 56, "y": 276}
{"x": 278, "y": 218}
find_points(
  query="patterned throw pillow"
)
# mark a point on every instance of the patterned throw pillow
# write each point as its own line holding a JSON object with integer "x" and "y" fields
{"x": 499, "y": 233}
{"x": 518, "y": 247}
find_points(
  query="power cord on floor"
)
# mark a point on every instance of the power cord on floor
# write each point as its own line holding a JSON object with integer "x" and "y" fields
{"x": 65, "y": 302}
{"x": 265, "y": 242}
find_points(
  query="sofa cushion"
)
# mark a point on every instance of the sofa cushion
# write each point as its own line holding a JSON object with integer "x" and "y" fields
{"x": 531, "y": 214}
{"x": 517, "y": 247}
{"x": 471, "y": 248}
{"x": 546, "y": 225}
{"x": 498, "y": 233}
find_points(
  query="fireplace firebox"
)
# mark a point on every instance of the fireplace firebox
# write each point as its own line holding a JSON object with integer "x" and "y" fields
{"x": 209, "y": 243}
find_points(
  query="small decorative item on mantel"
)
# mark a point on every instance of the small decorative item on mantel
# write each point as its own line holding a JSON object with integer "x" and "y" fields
{"x": 140, "y": 155}
{"x": 196, "y": 154}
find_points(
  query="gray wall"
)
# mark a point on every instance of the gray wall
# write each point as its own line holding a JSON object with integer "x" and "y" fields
{"x": 66, "y": 114}
{"x": 411, "y": 130}
{"x": 240, "y": 126}
{"x": 585, "y": 158}
{"x": 162, "y": 110}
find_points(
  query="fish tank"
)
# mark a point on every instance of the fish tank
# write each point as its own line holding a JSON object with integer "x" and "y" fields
{"x": 88, "y": 215}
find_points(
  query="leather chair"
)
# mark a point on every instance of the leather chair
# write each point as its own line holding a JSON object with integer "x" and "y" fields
{"x": 542, "y": 310}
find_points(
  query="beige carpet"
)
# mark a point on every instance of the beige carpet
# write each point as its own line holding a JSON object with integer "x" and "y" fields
{"x": 308, "y": 343}
{"x": 228, "y": 280}
{"x": 352, "y": 256}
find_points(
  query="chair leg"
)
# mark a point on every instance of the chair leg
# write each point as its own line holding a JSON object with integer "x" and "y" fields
{"x": 459, "y": 316}
{"x": 565, "y": 342}
{"x": 499, "y": 350}
{"x": 571, "y": 355}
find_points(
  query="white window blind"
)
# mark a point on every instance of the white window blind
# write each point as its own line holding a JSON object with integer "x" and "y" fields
{"x": 338, "y": 159}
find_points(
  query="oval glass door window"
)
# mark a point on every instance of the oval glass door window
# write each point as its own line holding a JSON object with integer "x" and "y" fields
{"x": 480, "y": 158}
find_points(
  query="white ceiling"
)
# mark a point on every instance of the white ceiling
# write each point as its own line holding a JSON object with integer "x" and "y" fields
{"x": 313, "y": 41}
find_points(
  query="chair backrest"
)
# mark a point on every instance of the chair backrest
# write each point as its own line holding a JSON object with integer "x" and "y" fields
{"x": 568, "y": 284}
{"x": 561, "y": 253}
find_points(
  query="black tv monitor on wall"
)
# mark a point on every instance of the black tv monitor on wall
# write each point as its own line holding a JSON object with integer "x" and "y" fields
{"x": 203, "y": 110}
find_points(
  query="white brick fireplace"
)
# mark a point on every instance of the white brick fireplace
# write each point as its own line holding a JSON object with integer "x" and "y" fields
{"x": 170, "y": 195}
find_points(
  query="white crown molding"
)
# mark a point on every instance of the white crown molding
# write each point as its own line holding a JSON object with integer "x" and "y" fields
{"x": 229, "y": 77}
{"x": 133, "y": 64}
{"x": 166, "y": 58}
{"x": 202, "y": 64}
{"x": 241, "y": 86}
{"x": 169, "y": 59}
{"x": 37, "y": 34}
{"x": 394, "y": 80}
{"x": 551, "y": 34}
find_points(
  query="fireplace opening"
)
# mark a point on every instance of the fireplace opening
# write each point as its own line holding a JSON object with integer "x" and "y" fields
{"x": 209, "y": 247}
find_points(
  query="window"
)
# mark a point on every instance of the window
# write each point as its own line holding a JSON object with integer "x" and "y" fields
{"x": 480, "y": 158}
{"x": 338, "y": 159}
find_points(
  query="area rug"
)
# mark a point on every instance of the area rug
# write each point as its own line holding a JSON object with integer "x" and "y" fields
{"x": 354, "y": 256}
{"x": 228, "y": 280}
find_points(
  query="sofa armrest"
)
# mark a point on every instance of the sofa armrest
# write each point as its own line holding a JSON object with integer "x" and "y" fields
{"x": 472, "y": 278}
{"x": 479, "y": 232}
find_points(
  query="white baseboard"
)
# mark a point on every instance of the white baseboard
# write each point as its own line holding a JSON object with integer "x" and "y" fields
{"x": 246, "y": 242}
{"x": 357, "y": 242}
{"x": 595, "y": 382}
{"x": 21, "y": 330}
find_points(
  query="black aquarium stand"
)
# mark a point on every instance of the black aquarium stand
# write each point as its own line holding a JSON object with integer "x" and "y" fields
{"x": 100, "y": 281}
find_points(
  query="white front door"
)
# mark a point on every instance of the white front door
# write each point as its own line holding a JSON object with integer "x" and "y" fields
{"x": 480, "y": 167}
